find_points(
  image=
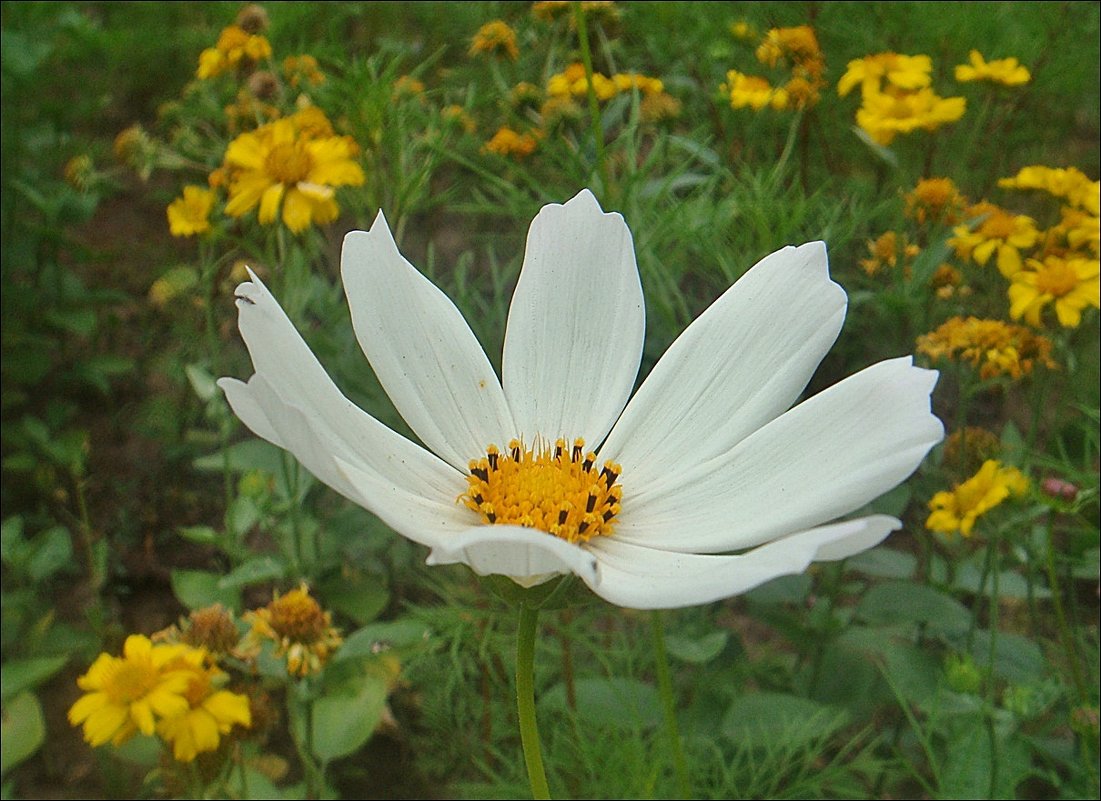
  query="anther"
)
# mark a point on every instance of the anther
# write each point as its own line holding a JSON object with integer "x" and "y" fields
{"x": 481, "y": 473}
{"x": 610, "y": 472}
{"x": 590, "y": 504}
{"x": 578, "y": 446}
{"x": 587, "y": 465}
{"x": 559, "y": 446}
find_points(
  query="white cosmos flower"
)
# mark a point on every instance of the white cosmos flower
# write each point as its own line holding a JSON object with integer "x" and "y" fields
{"x": 715, "y": 484}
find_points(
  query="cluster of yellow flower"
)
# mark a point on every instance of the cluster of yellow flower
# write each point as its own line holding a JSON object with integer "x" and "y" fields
{"x": 1058, "y": 266}
{"x": 897, "y": 97}
{"x": 995, "y": 347}
{"x": 171, "y": 690}
{"x": 289, "y": 167}
{"x": 239, "y": 46}
{"x": 560, "y": 99}
{"x": 795, "y": 48}
{"x": 171, "y": 685}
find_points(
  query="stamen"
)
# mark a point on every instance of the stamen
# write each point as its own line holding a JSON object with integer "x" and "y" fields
{"x": 555, "y": 489}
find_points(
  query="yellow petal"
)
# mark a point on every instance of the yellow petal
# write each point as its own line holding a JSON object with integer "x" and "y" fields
{"x": 269, "y": 204}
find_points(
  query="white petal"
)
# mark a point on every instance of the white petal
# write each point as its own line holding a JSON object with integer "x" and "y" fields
{"x": 648, "y": 578}
{"x": 575, "y": 326}
{"x": 417, "y": 510}
{"x": 826, "y": 457}
{"x": 427, "y": 520}
{"x": 246, "y": 408}
{"x": 288, "y": 372}
{"x": 423, "y": 352}
{"x": 736, "y": 367}
{"x": 526, "y": 555}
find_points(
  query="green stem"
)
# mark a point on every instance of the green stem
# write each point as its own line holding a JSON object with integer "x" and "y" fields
{"x": 1065, "y": 638}
{"x": 594, "y": 106}
{"x": 525, "y": 700}
{"x": 665, "y": 686}
{"x": 995, "y": 597}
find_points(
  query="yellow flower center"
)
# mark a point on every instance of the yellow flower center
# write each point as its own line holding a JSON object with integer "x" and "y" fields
{"x": 558, "y": 490}
{"x": 999, "y": 226}
{"x": 1056, "y": 278}
{"x": 288, "y": 163}
{"x": 131, "y": 681}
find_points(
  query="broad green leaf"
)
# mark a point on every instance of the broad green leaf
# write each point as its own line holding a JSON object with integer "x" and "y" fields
{"x": 781, "y": 590}
{"x": 51, "y": 550}
{"x": 254, "y": 571}
{"x": 26, "y": 674}
{"x": 202, "y": 382}
{"x": 343, "y": 722}
{"x": 617, "y": 702}
{"x": 778, "y": 719}
{"x": 22, "y": 730}
{"x": 903, "y": 602}
{"x": 198, "y": 588}
{"x": 697, "y": 650}
{"x": 361, "y": 597}
{"x": 201, "y": 534}
{"x": 883, "y": 562}
{"x": 249, "y": 454}
{"x": 376, "y": 637}
{"x": 11, "y": 539}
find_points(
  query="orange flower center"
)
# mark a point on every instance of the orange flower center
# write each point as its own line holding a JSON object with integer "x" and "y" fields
{"x": 131, "y": 682}
{"x": 999, "y": 226}
{"x": 558, "y": 490}
{"x": 297, "y": 616}
{"x": 288, "y": 163}
{"x": 1056, "y": 278}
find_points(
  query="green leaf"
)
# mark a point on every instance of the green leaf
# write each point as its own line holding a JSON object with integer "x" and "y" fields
{"x": 884, "y": 562}
{"x": 699, "y": 650}
{"x": 903, "y": 602}
{"x": 360, "y": 597}
{"x": 51, "y": 550}
{"x": 616, "y": 702}
{"x": 12, "y": 543}
{"x": 1016, "y": 658}
{"x": 781, "y": 590}
{"x": 26, "y": 674}
{"x": 778, "y": 719}
{"x": 249, "y": 454}
{"x": 22, "y": 730}
{"x": 253, "y": 571}
{"x": 201, "y": 534}
{"x": 376, "y": 637}
{"x": 343, "y": 722}
{"x": 198, "y": 588}
{"x": 201, "y": 381}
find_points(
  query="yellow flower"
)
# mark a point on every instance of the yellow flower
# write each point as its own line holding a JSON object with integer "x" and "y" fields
{"x": 408, "y": 86}
{"x": 280, "y": 166}
{"x": 507, "y": 142}
{"x": 1068, "y": 183}
{"x": 1006, "y": 71}
{"x": 496, "y": 38}
{"x": 1070, "y": 284}
{"x": 743, "y": 30}
{"x": 799, "y": 45}
{"x": 1000, "y": 232}
{"x": 190, "y": 214}
{"x": 753, "y": 92}
{"x": 885, "y": 115}
{"x": 236, "y": 47}
{"x": 628, "y": 81}
{"x": 886, "y": 251}
{"x": 603, "y": 11}
{"x": 125, "y": 695}
{"x": 966, "y": 449}
{"x": 935, "y": 200}
{"x": 301, "y": 630}
{"x": 1080, "y": 231}
{"x": 301, "y": 70}
{"x": 956, "y": 511}
{"x": 661, "y": 106}
{"x": 210, "y": 714}
{"x": 898, "y": 71}
{"x": 995, "y": 347}
{"x": 456, "y": 115}
{"x": 571, "y": 82}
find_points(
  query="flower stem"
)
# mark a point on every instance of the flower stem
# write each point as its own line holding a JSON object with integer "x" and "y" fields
{"x": 669, "y": 707}
{"x": 594, "y": 106}
{"x": 525, "y": 700}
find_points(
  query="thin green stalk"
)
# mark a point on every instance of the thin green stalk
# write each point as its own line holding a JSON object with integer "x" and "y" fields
{"x": 669, "y": 707}
{"x": 995, "y": 596}
{"x": 594, "y": 106}
{"x": 1065, "y": 637}
{"x": 525, "y": 700}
